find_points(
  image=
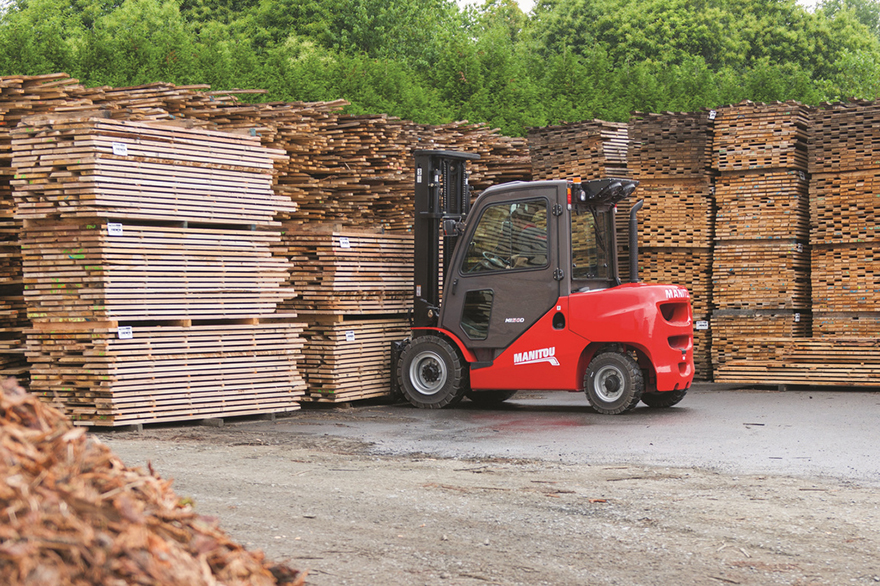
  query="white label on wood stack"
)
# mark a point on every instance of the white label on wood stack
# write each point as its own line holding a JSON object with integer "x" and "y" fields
{"x": 114, "y": 229}
{"x": 125, "y": 332}
{"x": 344, "y": 242}
{"x": 702, "y": 325}
{"x": 120, "y": 149}
{"x": 349, "y": 336}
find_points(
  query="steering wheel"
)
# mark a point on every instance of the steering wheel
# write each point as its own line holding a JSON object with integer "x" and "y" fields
{"x": 495, "y": 260}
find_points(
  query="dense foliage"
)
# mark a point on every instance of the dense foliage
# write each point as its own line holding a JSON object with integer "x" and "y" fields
{"x": 431, "y": 62}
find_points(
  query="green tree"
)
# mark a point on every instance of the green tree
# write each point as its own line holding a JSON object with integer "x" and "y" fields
{"x": 38, "y": 37}
{"x": 140, "y": 42}
{"x": 866, "y": 12}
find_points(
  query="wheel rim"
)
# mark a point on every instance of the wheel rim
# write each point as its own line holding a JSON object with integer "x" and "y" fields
{"x": 428, "y": 373}
{"x": 609, "y": 384}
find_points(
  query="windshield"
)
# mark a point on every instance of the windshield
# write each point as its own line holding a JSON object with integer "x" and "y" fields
{"x": 591, "y": 246}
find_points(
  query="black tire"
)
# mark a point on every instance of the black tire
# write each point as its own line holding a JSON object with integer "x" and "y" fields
{"x": 613, "y": 383}
{"x": 432, "y": 374}
{"x": 489, "y": 398}
{"x": 664, "y": 399}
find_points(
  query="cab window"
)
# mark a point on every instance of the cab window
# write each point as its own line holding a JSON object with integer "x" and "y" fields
{"x": 509, "y": 236}
{"x": 591, "y": 245}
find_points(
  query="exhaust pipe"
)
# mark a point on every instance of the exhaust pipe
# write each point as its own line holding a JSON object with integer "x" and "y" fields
{"x": 634, "y": 242}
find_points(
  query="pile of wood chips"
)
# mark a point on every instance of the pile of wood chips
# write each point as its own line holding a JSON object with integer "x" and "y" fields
{"x": 73, "y": 513}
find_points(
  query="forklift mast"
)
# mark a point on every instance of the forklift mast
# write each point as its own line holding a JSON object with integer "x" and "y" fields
{"x": 442, "y": 201}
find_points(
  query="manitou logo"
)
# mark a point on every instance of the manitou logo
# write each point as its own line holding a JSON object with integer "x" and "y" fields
{"x": 677, "y": 294}
{"x": 536, "y": 356}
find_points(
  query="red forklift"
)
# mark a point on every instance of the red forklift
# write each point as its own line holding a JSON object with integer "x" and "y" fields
{"x": 522, "y": 292}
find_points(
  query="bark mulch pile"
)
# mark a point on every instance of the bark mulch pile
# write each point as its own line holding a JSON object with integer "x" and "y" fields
{"x": 72, "y": 513}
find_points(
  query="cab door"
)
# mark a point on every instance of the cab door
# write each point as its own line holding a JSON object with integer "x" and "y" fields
{"x": 505, "y": 274}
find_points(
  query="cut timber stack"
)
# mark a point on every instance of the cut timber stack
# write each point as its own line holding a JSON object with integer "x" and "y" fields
{"x": 358, "y": 171}
{"x": 590, "y": 150}
{"x": 19, "y": 96}
{"x": 153, "y": 269}
{"x": 761, "y": 284}
{"x": 58, "y": 94}
{"x": 355, "y": 291}
{"x": 350, "y": 273}
{"x": 350, "y": 359}
{"x": 845, "y": 220}
{"x": 670, "y": 156}
{"x": 843, "y": 361}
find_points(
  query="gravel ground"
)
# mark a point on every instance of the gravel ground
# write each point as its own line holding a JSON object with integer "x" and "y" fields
{"x": 350, "y": 515}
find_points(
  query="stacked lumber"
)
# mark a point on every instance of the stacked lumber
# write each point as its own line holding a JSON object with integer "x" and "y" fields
{"x": 502, "y": 158}
{"x": 842, "y": 361}
{"x": 352, "y": 282}
{"x": 76, "y": 514}
{"x": 856, "y": 324}
{"x": 751, "y": 136}
{"x": 844, "y": 212}
{"x": 772, "y": 274}
{"x": 153, "y": 269}
{"x": 91, "y": 270}
{"x": 759, "y": 205}
{"x": 58, "y": 95}
{"x": 350, "y": 174}
{"x": 125, "y": 169}
{"x": 111, "y": 376}
{"x": 733, "y": 328}
{"x": 358, "y": 171}
{"x": 675, "y": 213}
{"x": 19, "y": 96}
{"x": 761, "y": 265}
{"x": 350, "y": 272}
{"x": 593, "y": 149}
{"x": 350, "y": 360}
{"x": 670, "y": 155}
{"x": 354, "y": 288}
{"x": 670, "y": 145}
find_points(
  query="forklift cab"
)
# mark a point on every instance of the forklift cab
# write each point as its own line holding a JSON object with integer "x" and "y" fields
{"x": 525, "y": 246}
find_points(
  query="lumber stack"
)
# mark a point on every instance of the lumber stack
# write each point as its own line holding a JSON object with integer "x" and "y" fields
{"x": 348, "y": 358}
{"x": 19, "y": 96}
{"x": 350, "y": 272}
{"x": 845, "y": 209}
{"x": 354, "y": 285}
{"x": 670, "y": 155}
{"x": 761, "y": 265}
{"x": 733, "y": 330}
{"x": 357, "y": 171}
{"x": 152, "y": 266}
{"x": 842, "y": 361}
{"x": 590, "y": 150}
{"x": 354, "y": 288}
{"x": 58, "y": 94}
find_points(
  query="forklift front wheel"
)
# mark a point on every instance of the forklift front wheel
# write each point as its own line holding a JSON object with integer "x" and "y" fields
{"x": 613, "y": 383}
{"x": 432, "y": 375}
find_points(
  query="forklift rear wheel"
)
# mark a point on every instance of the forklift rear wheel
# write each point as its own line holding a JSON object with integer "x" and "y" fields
{"x": 432, "y": 374}
{"x": 664, "y": 399}
{"x": 613, "y": 383}
{"x": 489, "y": 398}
